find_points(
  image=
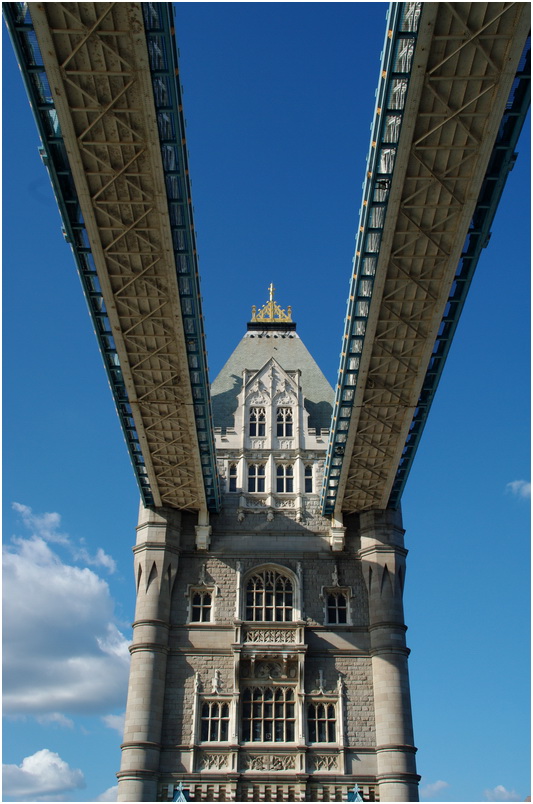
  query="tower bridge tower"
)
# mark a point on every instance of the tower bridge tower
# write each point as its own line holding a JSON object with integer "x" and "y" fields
{"x": 269, "y": 657}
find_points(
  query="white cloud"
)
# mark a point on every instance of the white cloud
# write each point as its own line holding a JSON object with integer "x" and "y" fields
{"x": 108, "y": 795}
{"x": 115, "y": 722}
{"x": 63, "y": 653}
{"x": 520, "y": 488}
{"x": 499, "y": 793}
{"x": 55, "y": 718}
{"x": 41, "y": 776}
{"x": 45, "y": 526}
{"x": 433, "y": 788}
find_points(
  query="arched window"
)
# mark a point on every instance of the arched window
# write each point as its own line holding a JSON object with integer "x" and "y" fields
{"x": 233, "y": 477}
{"x": 284, "y": 478}
{"x": 257, "y": 422}
{"x": 321, "y": 723}
{"x": 269, "y": 597}
{"x": 284, "y": 423}
{"x": 256, "y": 477}
{"x": 201, "y": 606}
{"x": 268, "y": 714}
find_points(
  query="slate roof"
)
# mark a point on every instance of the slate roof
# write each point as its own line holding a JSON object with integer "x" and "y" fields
{"x": 253, "y": 351}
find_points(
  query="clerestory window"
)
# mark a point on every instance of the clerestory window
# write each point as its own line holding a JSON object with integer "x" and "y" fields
{"x": 284, "y": 478}
{"x": 257, "y": 422}
{"x": 321, "y": 723}
{"x": 284, "y": 423}
{"x": 268, "y": 714}
{"x": 269, "y": 597}
{"x": 214, "y": 721}
{"x": 256, "y": 477}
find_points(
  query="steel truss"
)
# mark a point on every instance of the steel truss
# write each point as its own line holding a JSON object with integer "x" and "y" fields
{"x": 110, "y": 100}
{"x": 447, "y": 72}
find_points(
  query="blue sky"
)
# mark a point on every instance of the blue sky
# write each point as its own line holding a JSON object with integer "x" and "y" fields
{"x": 279, "y": 99}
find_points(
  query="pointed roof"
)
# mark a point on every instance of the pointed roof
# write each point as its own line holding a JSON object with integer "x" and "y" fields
{"x": 275, "y": 338}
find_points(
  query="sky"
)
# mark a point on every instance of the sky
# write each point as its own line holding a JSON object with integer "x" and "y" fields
{"x": 279, "y": 99}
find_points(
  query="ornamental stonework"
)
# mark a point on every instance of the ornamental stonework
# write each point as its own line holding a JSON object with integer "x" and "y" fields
{"x": 270, "y": 635}
{"x": 323, "y": 762}
{"x": 268, "y": 762}
{"x": 207, "y": 761}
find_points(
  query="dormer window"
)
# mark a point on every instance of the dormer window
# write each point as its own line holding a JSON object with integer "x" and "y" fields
{"x": 284, "y": 423}
{"x": 256, "y": 477}
{"x": 284, "y": 478}
{"x": 257, "y": 422}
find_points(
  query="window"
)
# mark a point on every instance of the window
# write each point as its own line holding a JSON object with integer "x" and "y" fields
{"x": 269, "y": 597}
{"x": 308, "y": 478}
{"x": 268, "y": 714}
{"x": 256, "y": 477}
{"x": 201, "y": 605}
{"x": 337, "y": 607}
{"x": 321, "y": 723}
{"x": 284, "y": 478}
{"x": 257, "y": 421}
{"x": 284, "y": 423}
{"x": 215, "y": 721}
{"x": 233, "y": 477}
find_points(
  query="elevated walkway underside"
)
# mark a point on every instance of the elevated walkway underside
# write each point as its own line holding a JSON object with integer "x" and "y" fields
{"x": 448, "y": 74}
{"x": 111, "y": 70}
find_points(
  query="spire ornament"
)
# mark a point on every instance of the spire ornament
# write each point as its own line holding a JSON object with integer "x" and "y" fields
{"x": 271, "y": 312}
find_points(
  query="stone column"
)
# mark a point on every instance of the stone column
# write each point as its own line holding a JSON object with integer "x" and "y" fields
{"x": 382, "y": 556}
{"x": 155, "y": 565}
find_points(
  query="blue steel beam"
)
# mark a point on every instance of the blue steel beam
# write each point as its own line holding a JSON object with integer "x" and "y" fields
{"x": 159, "y": 29}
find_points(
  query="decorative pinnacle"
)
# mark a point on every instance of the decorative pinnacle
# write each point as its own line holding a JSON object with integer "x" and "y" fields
{"x": 271, "y": 310}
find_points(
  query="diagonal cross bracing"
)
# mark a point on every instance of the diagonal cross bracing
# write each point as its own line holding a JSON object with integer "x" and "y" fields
{"x": 448, "y": 70}
{"x": 108, "y": 71}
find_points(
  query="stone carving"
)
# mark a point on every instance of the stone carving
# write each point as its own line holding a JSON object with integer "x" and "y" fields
{"x": 254, "y": 502}
{"x": 216, "y": 682}
{"x": 268, "y": 762}
{"x": 285, "y": 504}
{"x": 270, "y": 635}
{"x": 268, "y": 670}
{"x": 212, "y": 761}
{"x": 323, "y": 762}
{"x": 270, "y": 516}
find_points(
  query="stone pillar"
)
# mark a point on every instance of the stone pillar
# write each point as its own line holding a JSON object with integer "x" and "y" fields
{"x": 155, "y": 566}
{"x": 382, "y": 556}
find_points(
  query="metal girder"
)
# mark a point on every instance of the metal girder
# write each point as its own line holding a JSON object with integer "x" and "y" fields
{"x": 447, "y": 73}
{"x": 114, "y": 107}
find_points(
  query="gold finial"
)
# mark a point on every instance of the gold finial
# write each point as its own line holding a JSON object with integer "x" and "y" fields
{"x": 271, "y": 311}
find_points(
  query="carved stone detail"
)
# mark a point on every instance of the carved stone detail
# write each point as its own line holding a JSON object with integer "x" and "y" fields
{"x": 270, "y": 635}
{"x": 323, "y": 762}
{"x": 268, "y": 762}
{"x": 212, "y": 761}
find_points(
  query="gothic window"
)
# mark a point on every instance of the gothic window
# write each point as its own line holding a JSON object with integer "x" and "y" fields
{"x": 257, "y": 421}
{"x": 321, "y": 723}
{"x": 201, "y": 605}
{"x": 284, "y": 423}
{"x": 269, "y": 597}
{"x": 308, "y": 478}
{"x": 284, "y": 478}
{"x": 214, "y": 721}
{"x": 256, "y": 477}
{"x": 268, "y": 714}
{"x": 337, "y": 607}
{"x": 233, "y": 477}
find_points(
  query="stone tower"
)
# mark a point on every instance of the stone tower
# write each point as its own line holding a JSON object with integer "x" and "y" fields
{"x": 269, "y": 659}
